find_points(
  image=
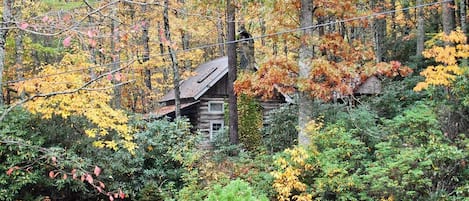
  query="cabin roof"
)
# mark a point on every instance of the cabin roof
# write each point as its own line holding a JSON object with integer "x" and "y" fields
{"x": 166, "y": 110}
{"x": 205, "y": 76}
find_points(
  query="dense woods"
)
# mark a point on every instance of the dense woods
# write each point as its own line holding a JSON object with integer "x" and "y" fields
{"x": 376, "y": 100}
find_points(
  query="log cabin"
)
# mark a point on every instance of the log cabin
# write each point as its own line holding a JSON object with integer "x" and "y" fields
{"x": 204, "y": 97}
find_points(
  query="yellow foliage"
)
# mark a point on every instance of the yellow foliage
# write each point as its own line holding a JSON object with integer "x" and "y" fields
{"x": 287, "y": 179}
{"x": 443, "y": 75}
{"x": 314, "y": 126}
{"x": 92, "y": 102}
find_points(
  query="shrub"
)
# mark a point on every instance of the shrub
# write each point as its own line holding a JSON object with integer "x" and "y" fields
{"x": 281, "y": 132}
{"x": 236, "y": 190}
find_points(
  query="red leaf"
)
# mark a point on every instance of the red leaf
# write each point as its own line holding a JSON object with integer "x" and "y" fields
{"x": 99, "y": 189}
{"x": 54, "y": 159}
{"x": 90, "y": 33}
{"x": 45, "y": 19}
{"x": 9, "y": 171}
{"x": 111, "y": 198}
{"x": 121, "y": 194}
{"x": 51, "y": 174}
{"x": 82, "y": 178}
{"x": 97, "y": 170}
{"x": 24, "y": 25}
{"x": 64, "y": 176}
{"x": 92, "y": 42}
{"x": 101, "y": 184}
{"x": 67, "y": 41}
{"x": 89, "y": 178}
{"x": 109, "y": 77}
{"x": 74, "y": 173}
{"x": 118, "y": 76}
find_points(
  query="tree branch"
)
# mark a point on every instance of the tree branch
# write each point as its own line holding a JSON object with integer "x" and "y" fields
{"x": 45, "y": 95}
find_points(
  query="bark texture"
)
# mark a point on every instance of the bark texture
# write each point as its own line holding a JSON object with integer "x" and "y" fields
{"x": 305, "y": 58}
{"x": 420, "y": 29}
{"x": 232, "y": 71}
{"x": 7, "y": 16}
{"x": 174, "y": 61}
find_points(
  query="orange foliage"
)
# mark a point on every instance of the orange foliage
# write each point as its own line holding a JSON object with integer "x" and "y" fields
{"x": 341, "y": 68}
{"x": 277, "y": 74}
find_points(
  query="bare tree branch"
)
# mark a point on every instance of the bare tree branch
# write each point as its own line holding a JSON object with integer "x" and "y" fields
{"x": 69, "y": 28}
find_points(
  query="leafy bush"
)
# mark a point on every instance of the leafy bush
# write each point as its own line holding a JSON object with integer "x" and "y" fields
{"x": 416, "y": 161}
{"x": 18, "y": 145}
{"x": 165, "y": 150}
{"x": 236, "y": 190}
{"x": 411, "y": 160}
{"x": 281, "y": 132}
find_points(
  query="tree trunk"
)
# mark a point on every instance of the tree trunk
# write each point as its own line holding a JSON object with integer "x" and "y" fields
{"x": 393, "y": 19}
{"x": 115, "y": 56}
{"x": 185, "y": 37}
{"x": 221, "y": 37}
{"x": 232, "y": 71}
{"x": 3, "y": 35}
{"x": 174, "y": 61}
{"x": 462, "y": 11}
{"x": 448, "y": 17}
{"x": 305, "y": 58}
{"x": 146, "y": 48}
{"x": 161, "y": 45}
{"x": 263, "y": 31}
{"x": 379, "y": 30}
{"x": 420, "y": 29}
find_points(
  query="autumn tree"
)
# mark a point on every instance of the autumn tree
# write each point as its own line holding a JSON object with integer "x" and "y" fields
{"x": 447, "y": 56}
{"x": 333, "y": 60}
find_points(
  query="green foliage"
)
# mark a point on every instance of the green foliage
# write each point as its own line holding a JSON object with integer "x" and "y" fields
{"x": 193, "y": 190}
{"x": 166, "y": 149}
{"x": 213, "y": 170}
{"x": 236, "y": 190}
{"x": 29, "y": 156}
{"x": 396, "y": 96}
{"x": 460, "y": 90}
{"x": 222, "y": 146}
{"x": 18, "y": 146}
{"x": 154, "y": 172}
{"x": 250, "y": 122}
{"x": 340, "y": 161}
{"x": 357, "y": 158}
{"x": 416, "y": 161}
{"x": 281, "y": 132}
{"x": 63, "y": 5}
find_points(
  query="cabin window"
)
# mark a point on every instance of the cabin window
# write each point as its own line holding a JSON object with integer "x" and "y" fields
{"x": 215, "y": 107}
{"x": 215, "y": 128}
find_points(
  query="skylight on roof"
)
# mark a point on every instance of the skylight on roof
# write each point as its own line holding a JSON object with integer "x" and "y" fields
{"x": 204, "y": 77}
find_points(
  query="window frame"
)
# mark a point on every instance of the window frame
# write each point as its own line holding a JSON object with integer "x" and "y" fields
{"x": 213, "y": 132}
{"x": 216, "y": 111}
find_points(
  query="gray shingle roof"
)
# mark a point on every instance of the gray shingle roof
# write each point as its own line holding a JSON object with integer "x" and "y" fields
{"x": 206, "y": 75}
